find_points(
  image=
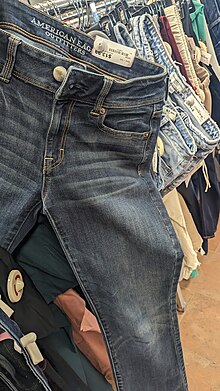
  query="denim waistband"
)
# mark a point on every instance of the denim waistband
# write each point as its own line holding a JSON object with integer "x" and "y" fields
{"x": 67, "y": 42}
{"x": 36, "y": 67}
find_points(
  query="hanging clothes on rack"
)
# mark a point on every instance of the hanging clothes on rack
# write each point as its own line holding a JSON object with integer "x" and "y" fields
{"x": 80, "y": 211}
{"x": 85, "y": 163}
{"x": 180, "y": 115}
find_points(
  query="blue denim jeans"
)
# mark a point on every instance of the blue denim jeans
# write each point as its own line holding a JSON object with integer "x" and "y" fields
{"x": 80, "y": 150}
{"x": 176, "y": 163}
{"x": 179, "y": 147}
{"x": 212, "y": 14}
{"x": 12, "y": 328}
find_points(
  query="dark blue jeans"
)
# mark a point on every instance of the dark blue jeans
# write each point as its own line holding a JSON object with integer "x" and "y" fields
{"x": 212, "y": 14}
{"x": 81, "y": 151}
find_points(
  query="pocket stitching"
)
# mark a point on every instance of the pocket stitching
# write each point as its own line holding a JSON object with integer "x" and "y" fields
{"x": 118, "y": 133}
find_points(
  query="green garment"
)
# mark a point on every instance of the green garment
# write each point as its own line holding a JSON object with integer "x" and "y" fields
{"x": 43, "y": 259}
{"x": 198, "y": 21}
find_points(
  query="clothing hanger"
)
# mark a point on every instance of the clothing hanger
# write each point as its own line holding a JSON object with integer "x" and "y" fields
{"x": 118, "y": 12}
{"x": 154, "y": 8}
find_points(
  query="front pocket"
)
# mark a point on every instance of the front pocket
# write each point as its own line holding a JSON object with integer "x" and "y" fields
{"x": 128, "y": 123}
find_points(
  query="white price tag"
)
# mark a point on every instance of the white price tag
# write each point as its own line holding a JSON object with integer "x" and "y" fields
{"x": 175, "y": 83}
{"x": 169, "y": 112}
{"x": 113, "y": 52}
{"x": 197, "y": 108}
{"x": 154, "y": 160}
{"x": 205, "y": 57}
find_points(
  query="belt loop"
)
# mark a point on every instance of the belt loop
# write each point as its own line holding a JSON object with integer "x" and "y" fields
{"x": 102, "y": 95}
{"x": 6, "y": 72}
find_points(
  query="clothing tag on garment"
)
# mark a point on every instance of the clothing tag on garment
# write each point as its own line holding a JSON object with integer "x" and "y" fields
{"x": 205, "y": 57}
{"x": 154, "y": 160}
{"x": 113, "y": 52}
{"x": 192, "y": 47}
{"x": 170, "y": 113}
{"x": 192, "y": 44}
{"x": 175, "y": 83}
{"x": 199, "y": 111}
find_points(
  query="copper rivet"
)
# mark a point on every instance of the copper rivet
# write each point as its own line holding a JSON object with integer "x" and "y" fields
{"x": 102, "y": 110}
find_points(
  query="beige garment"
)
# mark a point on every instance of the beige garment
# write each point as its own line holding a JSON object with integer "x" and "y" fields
{"x": 176, "y": 26}
{"x": 174, "y": 210}
{"x": 191, "y": 227}
{"x": 203, "y": 76}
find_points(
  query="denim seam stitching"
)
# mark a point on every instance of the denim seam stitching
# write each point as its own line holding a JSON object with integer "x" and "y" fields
{"x": 82, "y": 284}
{"x": 33, "y": 81}
{"x": 48, "y": 43}
{"x": 178, "y": 354}
{"x": 21, "y": 225}
{"x": 63, "y": 139}
{"x": 76, "y": 31}
{"x": 9, "y": 60}
{"x": 102, "y": 95}
{"x": 120, "y": 134}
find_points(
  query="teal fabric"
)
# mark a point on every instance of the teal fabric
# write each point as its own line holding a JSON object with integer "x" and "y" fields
{"x": 67, "y": 361}
{"x": 198, "y": 21}
{"x": 42, "y": 257}
{"x": 194, "y": 274}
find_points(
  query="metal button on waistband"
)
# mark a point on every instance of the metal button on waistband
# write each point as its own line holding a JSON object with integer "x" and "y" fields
{"x": 59, "y": 73}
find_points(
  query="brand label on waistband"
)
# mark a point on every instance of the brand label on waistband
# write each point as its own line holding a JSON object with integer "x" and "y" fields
{"x": 197, "y": 108}
{"x": 70, "y": 42}
{"x": 113, "y": 52}
{"x": 205, "y": 57}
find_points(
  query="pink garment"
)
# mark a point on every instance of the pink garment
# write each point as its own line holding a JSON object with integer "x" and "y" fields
{"x": 5, "y": 335}
{"x": 86, "y": 332}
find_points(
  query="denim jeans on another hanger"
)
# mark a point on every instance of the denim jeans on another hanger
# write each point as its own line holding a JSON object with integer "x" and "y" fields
{"x": 175, "y": 165}
{"x": 80, "y": 149}
{"x": 180, "y": 92}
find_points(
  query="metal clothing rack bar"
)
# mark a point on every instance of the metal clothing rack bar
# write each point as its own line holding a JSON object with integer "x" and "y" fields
{"x": 73, "y": 12}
